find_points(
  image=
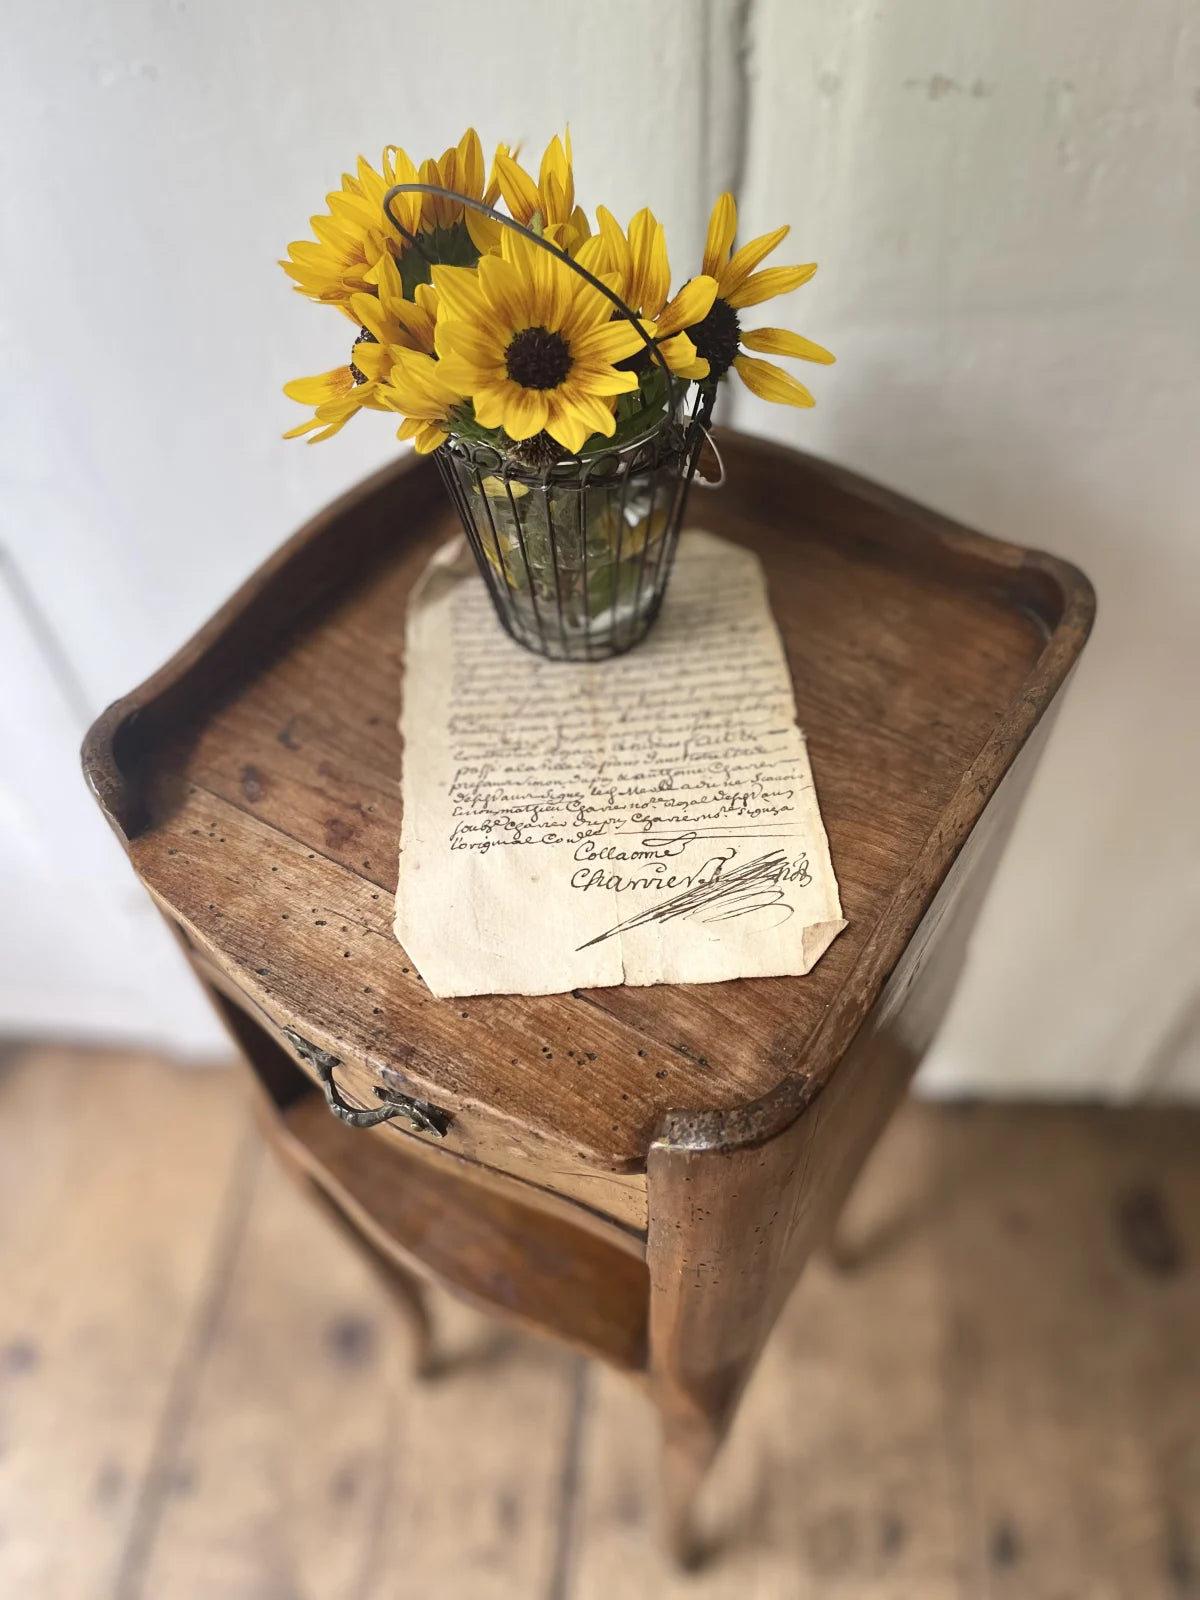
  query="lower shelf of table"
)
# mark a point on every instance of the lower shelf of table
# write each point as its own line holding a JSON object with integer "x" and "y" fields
{"x": 434, "y": 1218}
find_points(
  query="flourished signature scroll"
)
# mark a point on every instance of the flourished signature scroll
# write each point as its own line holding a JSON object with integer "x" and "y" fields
{"x": 650, "y": 819}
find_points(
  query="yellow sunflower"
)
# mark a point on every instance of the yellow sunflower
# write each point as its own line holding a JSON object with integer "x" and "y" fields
{"x": 335, "y": 396}
{"x": 718, "y": 337}
{"x": 446, "y": 230}
{"x": 390, "y": 325}
{"x": 533, "y": 345}
{"x": 551, "y": 200}
{"x": 416, "y": 386}
{"x": 635, "y": 265}
{"x": 355, "y": 235}
{"x": 350, "y": 242}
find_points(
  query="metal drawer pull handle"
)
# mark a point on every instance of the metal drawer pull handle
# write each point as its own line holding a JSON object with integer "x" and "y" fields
{"x": 423, "y": 1117}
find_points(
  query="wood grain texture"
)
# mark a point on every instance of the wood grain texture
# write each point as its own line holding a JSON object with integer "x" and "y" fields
{"x": 505, "y": 1157}
{"x": 255, "y": 784}
{"x": 420, "y": 1213}
{"x": 502, "y": 1256}
{"x": 313, "y": 1464}
{"x": 113, "y": 1175}
{"x": 838, "y": 1477}
{"x": 1004, "y": 1402}
{"x": 922, "y": 655}
{"x": 1071, "y": 1247}
{"x": 283, "y": 1081}
{"x": 432, "y": 1215}
{"x": 732, "y": 1227}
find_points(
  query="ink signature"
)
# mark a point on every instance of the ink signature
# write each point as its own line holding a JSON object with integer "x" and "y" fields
{"x": 754, "y": 886}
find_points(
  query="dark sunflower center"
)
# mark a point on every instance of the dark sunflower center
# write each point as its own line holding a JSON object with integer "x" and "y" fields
{"x": 716, "y": 338}
{"x": 537, "y": 358}
{"x": 540, "y": 451}
{"x": 365, "y": 336}
{"x": 641, "y": 361}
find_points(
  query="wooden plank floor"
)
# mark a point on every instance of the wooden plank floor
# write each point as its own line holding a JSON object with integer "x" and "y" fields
{"x": 205, "y": 1395}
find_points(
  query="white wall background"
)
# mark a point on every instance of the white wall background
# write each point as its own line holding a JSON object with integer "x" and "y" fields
{"x": 1004, "y": 202}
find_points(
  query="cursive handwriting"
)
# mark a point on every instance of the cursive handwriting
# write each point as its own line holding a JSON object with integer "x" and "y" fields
{"x": 695, "y": 744}
{"x": 750, "y": 888}
{"x": 657, "y": 877}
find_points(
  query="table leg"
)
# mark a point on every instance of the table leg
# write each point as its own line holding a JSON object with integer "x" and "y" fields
{"x": 404, "y": 1288}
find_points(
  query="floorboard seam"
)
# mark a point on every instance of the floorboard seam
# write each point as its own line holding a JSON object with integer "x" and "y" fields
{"x": 569, "y": 1481}
{"x": 371, "y": 1564}
{"x": 189, "y": 1366}
{"x": 955, "y": 1400}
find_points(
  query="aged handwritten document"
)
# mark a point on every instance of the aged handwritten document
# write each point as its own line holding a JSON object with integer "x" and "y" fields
{"x": 650, "y": 819}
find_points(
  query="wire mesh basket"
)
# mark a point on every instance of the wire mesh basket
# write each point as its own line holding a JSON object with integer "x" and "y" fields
{"x": 576, "y": 557}
{"x": 576, "y": 554}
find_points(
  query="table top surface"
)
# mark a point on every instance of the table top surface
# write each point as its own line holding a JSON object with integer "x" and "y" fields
{"x": 255, "y": 782}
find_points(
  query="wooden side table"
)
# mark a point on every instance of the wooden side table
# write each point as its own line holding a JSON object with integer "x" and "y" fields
{"x": 641, "y": 1172}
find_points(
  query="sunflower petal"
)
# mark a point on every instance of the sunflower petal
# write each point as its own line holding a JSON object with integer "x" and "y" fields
{"x": 743, "y": 262}
{"x": 427, "y": 438}
{"x": 767, "y": 284}
{"x": 387, "y": 276}
{"x": 566, "y": 424}
{"x": 325, "y": 386}
{"x": 691, "y": 305}
{"x": 651, "y": 280}
{"x": 415, "y": 323}
{"x": 575, "y": 230}
{"x": 516, "y": 186}
{"x": 370, "y": 315}
{"x": 489, "y": 404}
{"x": 592, "y": 412}
{"x": 460, "y": 292}
{"x": 420, "y": 386}
{"x": 485, "y": 233}
{"x": 680, "y": 355}
{"x": 770, "y": 382}
{"x": 437, "y": 211}
{"x": 612, "y": 342}
{"x": 525, "y": 411}
{"x": 591, "y": 309}
{"x": 722, "y": 226}
{"x": 478, "y": 346}
{"x": 554, "y": 286}
{"x": 555, "y": 180}
{"x": 470, "y": 164}
{"x": 782, "y": 342}
{"x": 508, "y": 289}
{"x": 463, "y": 374}
{"x": 592, "y": 255}
{"x": 618, "y": 257}
{"x": 399, "y": 167}
{"x": 603, "y": 379}
{"x": 492, "y": 193}
{"x": 328, "y": 433}
{"x": 372, "y": 360}
{"x": 554, "y": 208}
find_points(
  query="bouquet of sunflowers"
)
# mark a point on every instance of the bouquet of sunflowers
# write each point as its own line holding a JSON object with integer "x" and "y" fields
{"x": 565, "y": 390}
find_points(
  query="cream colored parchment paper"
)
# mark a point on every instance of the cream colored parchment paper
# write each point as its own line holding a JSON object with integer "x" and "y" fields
{"x": 650, "y": 819}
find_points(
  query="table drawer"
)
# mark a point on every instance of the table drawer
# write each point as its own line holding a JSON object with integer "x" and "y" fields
{"x": 615, "y": 1202}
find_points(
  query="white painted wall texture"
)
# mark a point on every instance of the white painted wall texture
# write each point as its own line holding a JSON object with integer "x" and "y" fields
{"x": 1004, "y": 203}
{"x": 156, "y": 156}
